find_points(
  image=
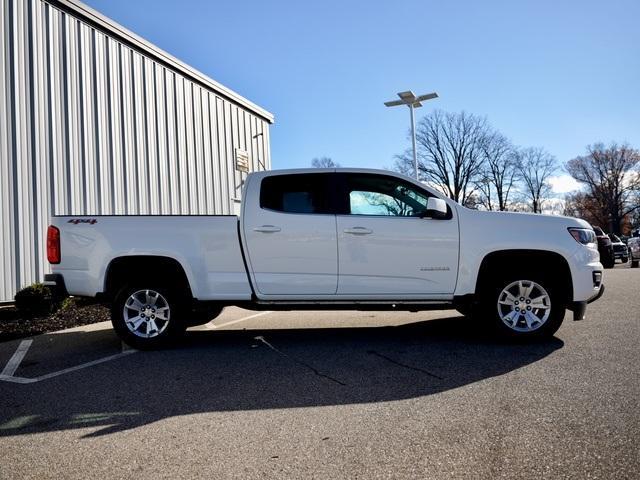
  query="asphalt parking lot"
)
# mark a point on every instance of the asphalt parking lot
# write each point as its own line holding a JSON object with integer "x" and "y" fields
{"x": 331, "y": 395}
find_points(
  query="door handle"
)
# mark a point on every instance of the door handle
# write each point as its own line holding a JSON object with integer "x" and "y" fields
{"x": 267, "y": 229}
{"x": 358, "y": 231}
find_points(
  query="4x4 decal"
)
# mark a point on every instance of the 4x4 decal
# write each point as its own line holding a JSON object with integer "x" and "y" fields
{"x": 76, "y": 221}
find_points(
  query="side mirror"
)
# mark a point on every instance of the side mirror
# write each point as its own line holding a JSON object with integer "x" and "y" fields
{"x": 436, "y": 208}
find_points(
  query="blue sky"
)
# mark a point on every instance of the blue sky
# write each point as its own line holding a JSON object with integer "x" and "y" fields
{"x": 557, "y": 74}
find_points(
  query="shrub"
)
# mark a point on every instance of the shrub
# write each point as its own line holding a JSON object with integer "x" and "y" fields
{"x": 68, "y": 303}
{"x": 35, "y": 300}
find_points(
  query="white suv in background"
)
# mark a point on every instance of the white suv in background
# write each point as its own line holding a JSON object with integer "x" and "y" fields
{"x": 634, "y": 251}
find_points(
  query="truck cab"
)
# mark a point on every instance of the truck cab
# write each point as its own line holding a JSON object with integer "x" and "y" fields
{"x": 349, "y": 235}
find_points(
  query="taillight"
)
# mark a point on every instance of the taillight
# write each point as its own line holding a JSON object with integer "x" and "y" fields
{"x": 53, "y": 244}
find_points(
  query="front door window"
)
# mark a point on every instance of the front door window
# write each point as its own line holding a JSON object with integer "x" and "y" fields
{"x": 384, "y": 196}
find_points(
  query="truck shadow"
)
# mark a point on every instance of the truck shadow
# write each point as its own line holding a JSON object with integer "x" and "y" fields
{"x": 216, "y": 371}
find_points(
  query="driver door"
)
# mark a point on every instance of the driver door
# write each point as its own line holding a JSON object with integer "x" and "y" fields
{"x": 385, "y": 248}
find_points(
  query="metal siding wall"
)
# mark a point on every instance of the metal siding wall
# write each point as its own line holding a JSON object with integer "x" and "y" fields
{"x": 90, "y": 126}
{"x": 7, "y": 259}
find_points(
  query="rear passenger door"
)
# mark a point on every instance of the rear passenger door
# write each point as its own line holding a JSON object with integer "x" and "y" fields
{"x": 291, "y": 238}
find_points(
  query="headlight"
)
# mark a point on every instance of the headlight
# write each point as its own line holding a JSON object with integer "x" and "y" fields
{"x": 585, "y": 236}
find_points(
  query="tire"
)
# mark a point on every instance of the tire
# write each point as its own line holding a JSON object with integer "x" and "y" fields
{"x": 624, "y": 259}
{"x": 148, "y": 316}
{"x": 501, "y": 305}
{"x": 608, "y": 263}
{"x": 634, "y": 263}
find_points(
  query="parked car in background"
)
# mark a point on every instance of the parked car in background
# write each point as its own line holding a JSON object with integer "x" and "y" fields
{"x": 605, "y": 248}
{"x": 620, "y": 251}
{"x": 634, "y": 251}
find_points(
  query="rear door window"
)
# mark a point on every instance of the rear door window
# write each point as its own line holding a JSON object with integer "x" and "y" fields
{"x": 297, "y": 193}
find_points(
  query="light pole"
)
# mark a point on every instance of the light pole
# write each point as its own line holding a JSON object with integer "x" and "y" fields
{"x": 410, "y": 100}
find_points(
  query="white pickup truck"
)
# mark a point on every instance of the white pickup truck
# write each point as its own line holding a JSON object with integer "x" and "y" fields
{"x": 329, "y": 238}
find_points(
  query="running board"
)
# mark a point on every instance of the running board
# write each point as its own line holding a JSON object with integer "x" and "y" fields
{"x": 402, "y": 305}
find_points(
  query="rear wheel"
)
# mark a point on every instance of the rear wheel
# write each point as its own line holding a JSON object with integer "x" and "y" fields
{"x": 148, "y": 316}
{"x": 524, "y": 306}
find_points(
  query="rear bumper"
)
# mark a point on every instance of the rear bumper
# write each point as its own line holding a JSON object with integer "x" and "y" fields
{"x": 55, "y": 282}
{"x": 579, "y": 309}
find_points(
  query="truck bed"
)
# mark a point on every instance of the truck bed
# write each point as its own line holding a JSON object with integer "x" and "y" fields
{"x": 207, "y": 247}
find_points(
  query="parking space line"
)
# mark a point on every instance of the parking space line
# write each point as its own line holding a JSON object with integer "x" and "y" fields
{"x": 15, "y": 361}
{"x": 209, "y": 326}
{"x": 66, "y": 370}
{"x": 18, "y": 356}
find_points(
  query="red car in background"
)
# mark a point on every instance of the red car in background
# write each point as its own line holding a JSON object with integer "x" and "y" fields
{"x": 605, "y": 248}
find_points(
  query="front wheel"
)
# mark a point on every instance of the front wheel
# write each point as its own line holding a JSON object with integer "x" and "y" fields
{"x": 634, "y": 263}
{"x": 527, "y": 307}
{"x": 146, "y": 317}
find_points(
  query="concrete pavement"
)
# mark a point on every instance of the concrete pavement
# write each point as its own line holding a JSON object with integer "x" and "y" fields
{"x": 334, "y": 394}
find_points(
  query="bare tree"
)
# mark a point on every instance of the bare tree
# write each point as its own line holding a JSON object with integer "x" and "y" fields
{"x": 324, "y": 162}
{"x": 634, "y": 223}
{"x": 449, "y": 152}
{"x": 499, "y": 172}
{"x": 389, "y": 204}
{"x": 535, "y": 166}
{"x": 612, "y": 179}
{"x": 583, "y": 205}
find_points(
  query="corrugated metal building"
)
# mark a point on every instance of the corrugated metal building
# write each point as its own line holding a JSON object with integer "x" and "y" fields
{"x": 97, "y": 121}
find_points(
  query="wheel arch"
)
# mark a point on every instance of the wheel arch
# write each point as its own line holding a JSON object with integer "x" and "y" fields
{"x": 531, "y": 259}
{"x": 132, "y": 268}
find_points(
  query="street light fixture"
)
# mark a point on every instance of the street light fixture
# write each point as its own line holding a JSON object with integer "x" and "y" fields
{"x": 410, "y": 100}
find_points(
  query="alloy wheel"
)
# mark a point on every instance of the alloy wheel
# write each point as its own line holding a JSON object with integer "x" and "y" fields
{"x": 146, "y": 313}
{"x": 524, "y": 306}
